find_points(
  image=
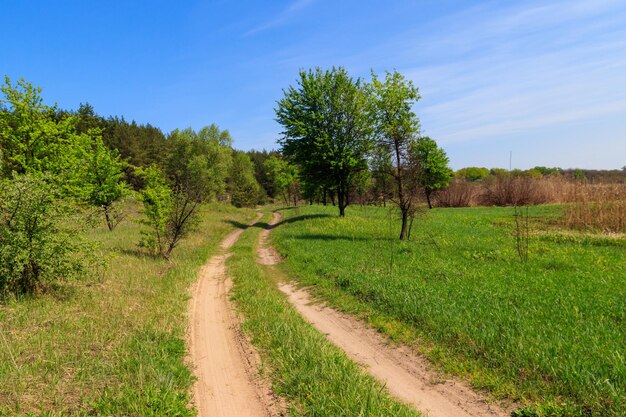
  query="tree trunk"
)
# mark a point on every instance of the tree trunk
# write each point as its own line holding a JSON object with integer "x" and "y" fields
{"x": 428, "y": 193}
{"x": 405, "y": 218}
{"x": 108, "y": 217}
{"x": 341, "y": 200}
{"x": 324, "y": 196}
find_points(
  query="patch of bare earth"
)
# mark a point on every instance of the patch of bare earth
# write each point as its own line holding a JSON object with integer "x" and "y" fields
{"x": 405, "y": 374}
{"x": 225, "y": 363}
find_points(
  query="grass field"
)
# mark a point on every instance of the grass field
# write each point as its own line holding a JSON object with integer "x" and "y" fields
{"x": 313, "y": 375}
{"x": 549, "y": 333}
{"x": 112, "y": 345}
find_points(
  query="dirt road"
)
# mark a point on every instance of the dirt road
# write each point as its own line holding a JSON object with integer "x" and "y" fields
{"x": 227, "y": 382}
{"x": 406, "y": 375}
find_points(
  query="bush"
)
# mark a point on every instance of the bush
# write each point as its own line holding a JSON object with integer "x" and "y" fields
{"x": 460, "y": 193}
{"x": 170, "y": 214}
{"x": 35, "y": 249}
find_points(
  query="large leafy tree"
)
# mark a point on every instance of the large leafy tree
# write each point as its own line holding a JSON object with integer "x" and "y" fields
{"x": 36, "y": 138}
{"x": 397, "y": 127}
{"x": 326, "y": 131}
{"x": 434, "y": 173}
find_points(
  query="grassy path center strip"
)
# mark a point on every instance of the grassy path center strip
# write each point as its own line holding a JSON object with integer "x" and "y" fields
{"x": 315, "y": 377}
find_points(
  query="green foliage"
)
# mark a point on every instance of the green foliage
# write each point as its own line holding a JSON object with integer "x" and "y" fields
{"x": 548, "y": 171}
{"x": 198, "y": 164}
{"x": 473, "y": 173}
{"x": 158, "y": 202}
{"x": 396, "y": 128}
{"x": 391, "y": 103}
{"x": 35, "y": 139}
{"x": 283, "y": 177}
{"x": 326, "y": 130}
{"x": 139, "y": 145}
{"x": 434, "y": 173}
{"x": 579, "y": 175}
{"x": 104, "y": 181}
{"x": 243, "y": 187}
{"x": 263, "y": 176}
{"x": 36, "y": 250}
{"x": 195, "y": 171}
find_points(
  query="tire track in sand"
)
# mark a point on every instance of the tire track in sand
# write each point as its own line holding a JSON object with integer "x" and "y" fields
{"x": 227, "y": 383}
{"x": 406, "y": 375}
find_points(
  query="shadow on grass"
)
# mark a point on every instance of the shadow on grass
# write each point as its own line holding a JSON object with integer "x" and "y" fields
{"x": 301, "y": 218}
{"x": 235, "y": 223}
{"x": 321, "y": 236}
{"x": 265, "y": 225}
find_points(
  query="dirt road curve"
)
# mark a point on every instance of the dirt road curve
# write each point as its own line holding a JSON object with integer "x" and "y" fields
{"x": 405, "y": 374}
{"x": 227, "y": 384}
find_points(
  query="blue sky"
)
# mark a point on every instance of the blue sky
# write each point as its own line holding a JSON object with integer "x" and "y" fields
{"x": 545, "y": 80}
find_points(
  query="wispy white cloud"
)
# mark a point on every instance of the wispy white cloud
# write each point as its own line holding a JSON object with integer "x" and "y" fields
{"x": 283, "y": 17}
{"x": 513, "y": 70}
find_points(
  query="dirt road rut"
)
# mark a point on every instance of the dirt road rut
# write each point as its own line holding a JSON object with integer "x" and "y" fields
{"x": 227, "y": 384}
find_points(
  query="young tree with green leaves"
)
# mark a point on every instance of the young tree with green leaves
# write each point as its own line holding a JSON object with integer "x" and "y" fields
{"x": 158, "y": 202}
{"x": 326, "y": 130}
{"x": 397, "y": 127}
{"x": 432, "y": 162}
{"x": 105, "y": 181}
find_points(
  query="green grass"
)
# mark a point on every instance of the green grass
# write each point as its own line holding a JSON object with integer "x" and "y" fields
{"x": 314, "y": 376}
{"x": 112, "y": 345}
{"x": 550, "y": 333}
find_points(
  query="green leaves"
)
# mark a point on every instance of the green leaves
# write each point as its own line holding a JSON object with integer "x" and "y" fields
{"x": 326, "y": 130}
{"x": 36, "y": 250}
{"x": 158, "y": 202}
{"x": 433, "y": 162}
{"x": 243, "y": 187}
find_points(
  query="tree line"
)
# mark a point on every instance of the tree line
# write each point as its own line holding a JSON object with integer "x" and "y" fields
{"x": 56, "y": 165}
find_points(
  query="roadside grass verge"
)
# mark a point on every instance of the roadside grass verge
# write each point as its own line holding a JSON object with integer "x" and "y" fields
{"x": 109, "y": 345}
{"x": 548, "y": 333}
{"x": 314, "y": 375}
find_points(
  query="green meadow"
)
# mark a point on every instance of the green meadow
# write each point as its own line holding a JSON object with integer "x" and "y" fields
{"x": 548, "y": 334}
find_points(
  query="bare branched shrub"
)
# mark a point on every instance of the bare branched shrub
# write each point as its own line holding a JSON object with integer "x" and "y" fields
{"x": 460, "y": 193}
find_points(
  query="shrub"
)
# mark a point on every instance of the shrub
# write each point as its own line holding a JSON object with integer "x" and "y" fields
{"x": 459, "y": 193}
{"x": 170, "y": 214}
{"x": 36, "y": 250}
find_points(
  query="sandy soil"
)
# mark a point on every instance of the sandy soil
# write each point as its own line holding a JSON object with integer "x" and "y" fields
{"x": 225, "y": 364}
{"x": 405, "y": 374}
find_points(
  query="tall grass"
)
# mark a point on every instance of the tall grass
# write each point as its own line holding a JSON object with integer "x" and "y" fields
{"x": 599, "y": 207}
{"x": 548, "y": 332}
{"x": 589, "y": 206}
{"x": 111, "y": 345}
